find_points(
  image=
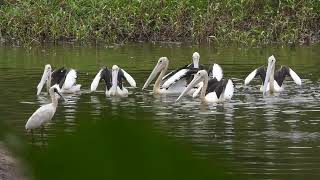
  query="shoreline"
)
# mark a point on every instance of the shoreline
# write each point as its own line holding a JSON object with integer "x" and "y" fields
{"x": 10, "y": 167}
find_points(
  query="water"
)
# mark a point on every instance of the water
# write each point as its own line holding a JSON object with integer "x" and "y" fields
{"x": 266, "y": 138}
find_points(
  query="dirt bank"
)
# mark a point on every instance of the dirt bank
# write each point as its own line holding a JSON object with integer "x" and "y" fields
{"x": 10, "y": 167}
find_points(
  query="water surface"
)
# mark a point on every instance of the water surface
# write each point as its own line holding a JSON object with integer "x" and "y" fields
{"x": 272, "y": 137}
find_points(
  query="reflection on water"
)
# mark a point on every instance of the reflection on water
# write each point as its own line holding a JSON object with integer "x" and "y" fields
{"x": 267, "y": 137}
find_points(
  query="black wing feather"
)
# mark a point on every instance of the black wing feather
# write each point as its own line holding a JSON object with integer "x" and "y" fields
{"x": 281, "y": 74}
{"x": 216, "y": 86}
{"x": 58, "y": 76}
{"x": 107, "y": 77}
{"x": 121, "y": 77}
{"x": 261, "y": 72}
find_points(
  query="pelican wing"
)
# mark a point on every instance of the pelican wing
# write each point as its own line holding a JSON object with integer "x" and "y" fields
{"x": 70, "y": 80}
{"x": 228, "y": 91}
{"x": 215, "y": 71}
{"x": 96, "y": 81}
{"x": 40, "y": 116}
{"x": 295, "y": 77}
{"x": 212, "y": 85}
{"x": 107, "y": 77}
{"x": 129, "y": 78}
{"x": 257, "y": 72}
{"x": 58, "y": 76}
{"x": 284, "y": 71}
{"x": 220, "y": 87}
{"x": 176, "y": 77}
{"x": 166, "y": 77}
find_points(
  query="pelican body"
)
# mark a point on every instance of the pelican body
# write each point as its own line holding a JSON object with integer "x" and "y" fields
{"x": 183, "y": 73}
{"x": 66, "y": 79}
{"x": 45, "y": 113}
{"x": 213, "y": 90}
{"x": 161, "y": 67}
{"x": 273, "y": 80}
{"x": 114, "y": 81}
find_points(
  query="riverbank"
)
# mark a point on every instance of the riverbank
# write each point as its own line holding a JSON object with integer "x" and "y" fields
{"x": 249, "y": 22}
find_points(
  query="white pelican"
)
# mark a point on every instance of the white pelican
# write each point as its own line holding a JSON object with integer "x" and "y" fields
{"x": 272, "y": 81}
{"x": 45, "y": 113}
{"x": 114, "y": 81}
{"x": 213, "y": 91}
{"x": 66, "y": 79}
{"x": 182, "y": 73}
{"x": 161, "y": 67}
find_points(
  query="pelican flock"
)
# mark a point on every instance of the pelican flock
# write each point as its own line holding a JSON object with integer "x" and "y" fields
{"x": 209, "y": 85}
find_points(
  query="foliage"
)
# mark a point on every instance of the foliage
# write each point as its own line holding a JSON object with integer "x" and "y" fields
{"x": 247, "y": 22}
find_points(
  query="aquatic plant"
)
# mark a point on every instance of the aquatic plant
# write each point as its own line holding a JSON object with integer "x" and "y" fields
{"x": 246, "y": 22}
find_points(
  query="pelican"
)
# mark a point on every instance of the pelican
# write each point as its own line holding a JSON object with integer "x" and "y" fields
{"x": 161, "y": 67}
{"x": 65, "y": 78}
{"x": 215, "y": 72}
{"x": 182, "y": 73}
{"x": 114, "y": 81}
{"x": 272, "y": 81}
{"x": 213, "y": 91}
{"x": 45, "y": 113}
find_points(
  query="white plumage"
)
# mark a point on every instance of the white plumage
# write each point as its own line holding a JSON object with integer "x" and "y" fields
{"x": 295, "y": 77}
{"x": 95, "y": 82}
{"x": 216, "y": 72}
{"x": 129, "y": 78}
{"x": 176, "y": 77}
{"x": 45, "y": 113}
{"x": 224, "y": 90}
{"x": 180, "y": 75}
{"x": 69, "y": 84}
{"x": 70, "y": 80}
{"x": 114, "y": 81}
{"x": 229, "y": 89}
{"x": 250, "y": 77}
{"x": 273, "y": 80}
{"x": 41, "y": 116}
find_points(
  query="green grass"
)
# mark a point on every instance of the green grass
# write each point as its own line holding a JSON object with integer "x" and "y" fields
{"x": 246, "y": 22}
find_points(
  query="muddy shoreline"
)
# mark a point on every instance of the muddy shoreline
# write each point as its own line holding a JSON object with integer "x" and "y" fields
{"x": 10, "y": 167}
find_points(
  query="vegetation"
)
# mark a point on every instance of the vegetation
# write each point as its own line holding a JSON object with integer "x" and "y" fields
{"x": 116, "y": 21}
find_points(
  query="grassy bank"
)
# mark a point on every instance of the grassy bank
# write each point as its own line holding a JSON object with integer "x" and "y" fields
{"x": 246, "y": 22}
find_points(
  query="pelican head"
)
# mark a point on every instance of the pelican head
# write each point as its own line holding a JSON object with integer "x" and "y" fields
{"x": 161, "y": 66}
{"x": 45, "y": 77}
{"x": 115, "y": 70}
{"x": 270, "y": 72}
{"x": 196, "y": 59}
{"x": 199, "y": 77}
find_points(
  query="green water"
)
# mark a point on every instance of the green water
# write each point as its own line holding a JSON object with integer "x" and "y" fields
{"x": 275, "y": 137}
